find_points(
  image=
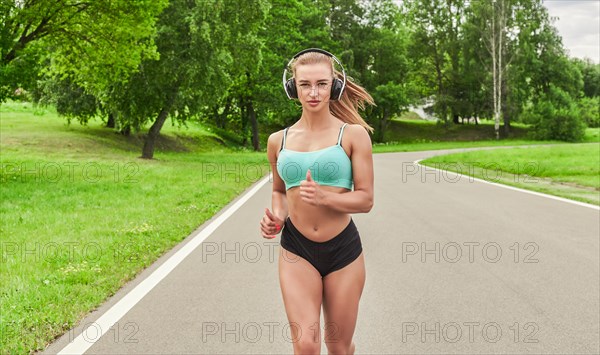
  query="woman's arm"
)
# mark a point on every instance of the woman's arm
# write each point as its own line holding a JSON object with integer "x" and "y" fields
{"x": 279, "y": 204}
{"x": 362, "y": 198}
{"x": 348, "y": 202}
{"x": 279, "y": 198}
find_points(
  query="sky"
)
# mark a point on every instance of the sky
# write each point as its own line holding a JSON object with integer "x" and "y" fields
{"x": 578, "y": 24}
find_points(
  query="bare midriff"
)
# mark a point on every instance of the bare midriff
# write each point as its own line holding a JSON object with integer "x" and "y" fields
{"x": 317, "y": 223}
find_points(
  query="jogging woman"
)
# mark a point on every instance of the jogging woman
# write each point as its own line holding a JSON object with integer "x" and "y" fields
{"x": 324, "y": 173}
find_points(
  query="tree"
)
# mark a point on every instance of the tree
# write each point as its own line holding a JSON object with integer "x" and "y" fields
{"x": 591, "y": 76}
{"x": 256, "y": 96}
{"x": 493, "y": 23}
{"x": 195, "y": 40}
{"x": 70, "y": 99}
{"x": 522, "y": 52}
{"x": 435, "y": 41}
{"x": 554, "y": 115}
{"x": 590, "y": 110}
{"x": 383, "y": 63}
{"x": 94, "y": 42}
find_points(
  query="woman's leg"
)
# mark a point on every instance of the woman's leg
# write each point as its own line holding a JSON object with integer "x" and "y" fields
{"x": 302, "y": 291}
{"x": 341, "y": 295}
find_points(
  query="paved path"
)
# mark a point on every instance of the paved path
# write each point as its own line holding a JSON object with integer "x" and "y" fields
{"x": 454, "y": 265}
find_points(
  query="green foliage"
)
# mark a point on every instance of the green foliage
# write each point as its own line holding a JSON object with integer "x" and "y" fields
{"x": 384, "y": 63}
{"x": 589, "y": 108}
{"x": 202, "y": 46}
{"x": 591, "y": 76}
{"x": 555, "y": 116}
{"x": 21, "y": 73}
{"x": 289, "y": 26}
{"x": 70, "y": 99}
{"x": 95, "y": 43}
{"x": 259, "y": 85}
{"x": 435, "y": 28}
{"x": 221, "y": 61}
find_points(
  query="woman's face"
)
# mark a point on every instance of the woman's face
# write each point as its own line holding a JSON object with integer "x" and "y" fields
{"x": 313, "y": 83}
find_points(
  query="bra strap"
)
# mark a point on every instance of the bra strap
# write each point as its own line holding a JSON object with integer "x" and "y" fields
{"x": 283, "y": 139}
{"x": 341, "y": 133}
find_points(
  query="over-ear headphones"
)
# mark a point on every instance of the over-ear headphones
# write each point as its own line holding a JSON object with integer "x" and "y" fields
{"x": 337, "y": 86}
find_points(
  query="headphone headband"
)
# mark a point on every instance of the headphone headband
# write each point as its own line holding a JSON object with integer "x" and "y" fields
{"x": 318, "y": 50}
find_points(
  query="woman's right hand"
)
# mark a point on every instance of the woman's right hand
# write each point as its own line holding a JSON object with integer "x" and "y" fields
{"x": 270, "y": 225}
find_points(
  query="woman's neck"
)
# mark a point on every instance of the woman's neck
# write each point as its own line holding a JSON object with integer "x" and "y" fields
{"x": 316, "y": 121}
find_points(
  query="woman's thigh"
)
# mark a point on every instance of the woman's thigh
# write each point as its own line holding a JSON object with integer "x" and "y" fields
{"x": 342, "y": 291}
{"x": 302, "y": 291}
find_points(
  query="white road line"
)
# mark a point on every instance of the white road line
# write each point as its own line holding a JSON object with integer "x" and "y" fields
{"x": 82, "y": 343}
{"x": 416, "y": 162}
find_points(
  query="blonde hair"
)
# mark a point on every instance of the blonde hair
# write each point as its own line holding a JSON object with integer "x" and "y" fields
{"x": 353, "y": 98}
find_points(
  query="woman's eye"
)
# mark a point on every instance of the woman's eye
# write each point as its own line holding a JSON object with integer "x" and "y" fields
{"x": 322, "y": 85}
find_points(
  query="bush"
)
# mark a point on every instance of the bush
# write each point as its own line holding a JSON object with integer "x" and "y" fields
{"x": 555, "y": 117}
{"x": 589, "y": 111}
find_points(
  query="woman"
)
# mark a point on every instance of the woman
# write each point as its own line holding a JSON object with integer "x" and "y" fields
{"x": 321, "y": 260}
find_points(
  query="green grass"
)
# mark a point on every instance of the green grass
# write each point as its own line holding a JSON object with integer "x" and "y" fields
{"x": 410, "y": 130}
{"x": 82, "y": 214}
{"x": 72, "y": 238}
{"x": 411, "y": 134}
{"x": 567, "y": 170}
{"x": 44, "y": 132}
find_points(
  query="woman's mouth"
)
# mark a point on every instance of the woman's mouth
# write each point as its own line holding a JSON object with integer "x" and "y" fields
{"x": 313, "y": 102}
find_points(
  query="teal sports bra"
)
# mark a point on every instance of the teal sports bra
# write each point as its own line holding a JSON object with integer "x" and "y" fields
{"x": 329, "y": 166}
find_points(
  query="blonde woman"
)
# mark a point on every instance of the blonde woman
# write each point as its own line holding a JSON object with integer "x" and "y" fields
{"x": 324, "y": 173}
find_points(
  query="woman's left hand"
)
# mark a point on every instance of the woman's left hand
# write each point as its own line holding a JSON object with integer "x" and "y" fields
{"x": 311, "y": 192}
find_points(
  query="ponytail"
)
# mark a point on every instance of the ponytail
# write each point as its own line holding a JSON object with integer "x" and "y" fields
{"x": 353, "y": 98}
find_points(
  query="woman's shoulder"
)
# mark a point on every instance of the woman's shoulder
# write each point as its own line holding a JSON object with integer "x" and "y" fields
{"x": 275, "y": 138}
{"x": 357, "y": 134}
{"x": 354, "y": 129}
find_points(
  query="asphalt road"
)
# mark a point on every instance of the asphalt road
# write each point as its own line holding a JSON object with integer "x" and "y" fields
{"x": 454, "y": 266}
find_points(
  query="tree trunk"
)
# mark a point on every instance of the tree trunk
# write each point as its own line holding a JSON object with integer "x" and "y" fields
{"x": 440, "y": 88}
{"x": 125, "y": 130}
{"x": 453, "y": 52}
{"x": 381, "y": 127}
{"x": 111, "y": 120}
{"x": 506, "y": 125}
{"x": 494, "y": 69}
{"x": 243, "y": 119}
{"x": 500, "y": 35}
{"x": 440, "y": 99}
{"x": 216, "y": 115}
{"x": 148, "y": 150}
{"x": 495, "y": 39}
{"x": 223, "y": 116}
{"x": 384, "y": 123}
{"x": 253, "y": 123}
{"x": 506, "y": 109}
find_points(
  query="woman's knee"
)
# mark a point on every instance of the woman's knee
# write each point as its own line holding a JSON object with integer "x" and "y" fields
{"x": 339, "y": 347}
{"x": 307, "y": 345}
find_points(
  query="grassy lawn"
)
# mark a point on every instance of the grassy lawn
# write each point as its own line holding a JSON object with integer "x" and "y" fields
{"x": 405, "y": 135}
{"x": 566, "y": 170}
{"x": 82, "y": 215}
